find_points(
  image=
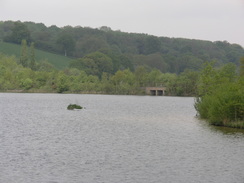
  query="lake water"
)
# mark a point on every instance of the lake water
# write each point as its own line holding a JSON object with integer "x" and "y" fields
{"x": 115, "y": 139}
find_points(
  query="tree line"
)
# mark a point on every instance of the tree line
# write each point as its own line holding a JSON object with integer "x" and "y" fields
{"x": 14, "y": 75}
{"x": 127, "y": 50}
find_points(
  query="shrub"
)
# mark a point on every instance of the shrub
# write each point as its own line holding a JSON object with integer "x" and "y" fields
{"x": 74, "y": 106}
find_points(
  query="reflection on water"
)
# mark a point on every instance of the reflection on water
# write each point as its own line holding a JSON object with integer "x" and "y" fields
{"x": 223, "y": 130}
{"x": 228, "y": 131}
{"x": 125, "y": 139}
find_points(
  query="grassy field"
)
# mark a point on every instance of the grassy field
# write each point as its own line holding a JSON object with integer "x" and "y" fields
{"x": 59, "y": 61}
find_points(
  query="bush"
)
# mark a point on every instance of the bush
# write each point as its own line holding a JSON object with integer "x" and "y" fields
{"x": 26, "y": 83}
{"x": 74, "y": 106}
{"x": 225, "y": 105}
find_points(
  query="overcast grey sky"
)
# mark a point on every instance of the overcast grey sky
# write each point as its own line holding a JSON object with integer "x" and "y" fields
{"x": 195, "y": 19}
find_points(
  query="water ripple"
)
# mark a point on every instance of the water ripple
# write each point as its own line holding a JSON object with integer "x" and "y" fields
{"x": 125, "y": 139}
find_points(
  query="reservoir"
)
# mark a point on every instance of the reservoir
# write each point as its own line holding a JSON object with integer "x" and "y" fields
{"x": 115, "y": 139}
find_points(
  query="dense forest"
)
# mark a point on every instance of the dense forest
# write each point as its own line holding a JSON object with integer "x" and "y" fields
{"x": 103, "y": 50}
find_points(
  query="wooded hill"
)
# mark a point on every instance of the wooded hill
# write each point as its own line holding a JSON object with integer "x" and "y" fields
{"x": 104, "y": 50}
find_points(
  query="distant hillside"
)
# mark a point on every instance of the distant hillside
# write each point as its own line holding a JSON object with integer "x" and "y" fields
{"x": 58, "y": 61}
{"x": 122, "y": 50}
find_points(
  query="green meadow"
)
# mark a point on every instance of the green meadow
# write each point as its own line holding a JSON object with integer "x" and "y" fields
{"x": 58, "y": 61}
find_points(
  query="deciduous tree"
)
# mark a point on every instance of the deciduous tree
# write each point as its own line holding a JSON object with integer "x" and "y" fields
{"x": 32, "y": 57}
{"x": 24, "y": 54}
{"x": 66, "y": 42}
{"x": 19, "y": 32}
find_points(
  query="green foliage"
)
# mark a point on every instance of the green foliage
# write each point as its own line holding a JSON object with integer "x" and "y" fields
{"x": 62, "y": 83}
{"x": 102, "y": 61}
{"x": 47, "y": 79}
{"x": 74, "y": 106}
{"x": 44, "y": 65}
{"x": 206, "y": 81}
{"x": 242, "y": 67}
{"x": 187, "y": 83}
{"x": 152, "y": 45}
{"x": 221, "y": 99}
{"x": 90, "y": 44}
{"x": 141, "y": 76}
{"x": 19, "y": 32}
{"x": 154, "y": 61}
{"x": 211, "y": 78}
{"x": 24, "y": 54}
{"x": 32, "y": 56}
{"x": 26, "y": 84}
{"x": 57, "y": 61}
{"x": 67, "y": 43}
{"x": 119, "y": 60}
{"x": 86, "y": 64}
{"x": 8, "y": 67}
{"x": 126, "y": 50}
{"x": 94, "y": 64}
{"x": 225, "y": 106}
{"x": 124, "y": 82}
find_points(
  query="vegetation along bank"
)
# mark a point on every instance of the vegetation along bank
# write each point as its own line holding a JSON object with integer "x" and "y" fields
{"x": 36, "y": 58}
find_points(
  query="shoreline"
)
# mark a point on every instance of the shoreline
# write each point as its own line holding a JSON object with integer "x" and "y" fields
{"x": 236, "y": 125}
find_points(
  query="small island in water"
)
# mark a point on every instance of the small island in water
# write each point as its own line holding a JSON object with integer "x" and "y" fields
{"x": 74, "y": 106}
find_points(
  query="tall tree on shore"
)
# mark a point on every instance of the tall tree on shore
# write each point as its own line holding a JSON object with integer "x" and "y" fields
{"x": 32, "y": 57}
{"x": 24, "y": 54}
